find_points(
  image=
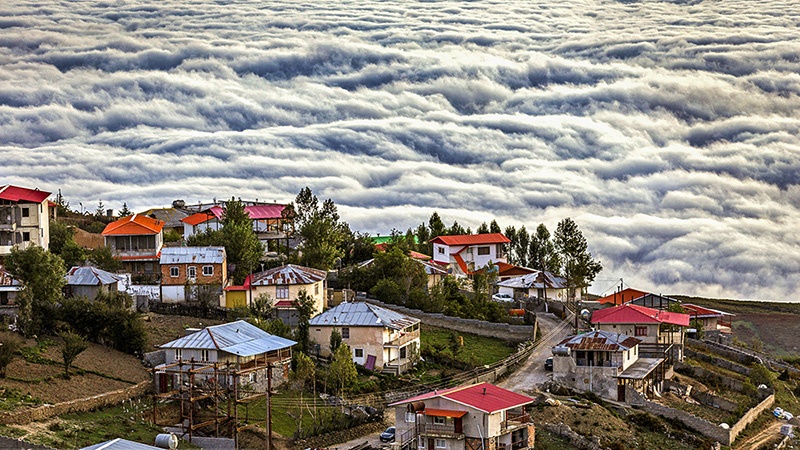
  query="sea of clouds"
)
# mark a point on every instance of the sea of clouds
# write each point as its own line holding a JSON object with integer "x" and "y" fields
{"x": 668, "y": 130}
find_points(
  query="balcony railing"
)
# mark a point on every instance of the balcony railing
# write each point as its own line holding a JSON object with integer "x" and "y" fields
{"x": 430, "y": 429}
{"x": 406, "y": 338}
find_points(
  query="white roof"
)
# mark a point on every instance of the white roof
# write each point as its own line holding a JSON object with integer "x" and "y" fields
{"x": 192, "y": 255}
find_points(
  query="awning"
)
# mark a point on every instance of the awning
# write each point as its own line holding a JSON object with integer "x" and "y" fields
{"x": 444, "y": 413}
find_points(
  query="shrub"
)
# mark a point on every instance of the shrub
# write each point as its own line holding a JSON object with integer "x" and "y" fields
{"x": 760, "y": 375}
{"x": 9, "y": 344}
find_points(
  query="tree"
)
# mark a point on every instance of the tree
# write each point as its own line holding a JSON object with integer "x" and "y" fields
{"x": 578, "y": 268}
{"x": 483, "y": 229}
{"x": 542, "y": 253}
{"x": 9, "y": 344}
{"x": 104, "y": 259}
{"x": 335, "y": 340}
{"x": 42, "y": 276}
{"x": 357, "y": 247}
{"x": 304, "y": 304}
{"x": 100, "y": 212}
{"x": 436, "y": 226}
{"x": 74, "y": 345}
{"x": 303, "y": 372}
{"x": 423, "y": 236}
{"x": 242, "y": 246}
{"x": 261, "y": 306}
{"x": 62, "y": 243}
{"x": 124, "y": 212}
{"x": 456, "y": 229}
{"x": 494, "y": 227}
{"x": 395, "y": 267}
{"x": 343, "y": 370}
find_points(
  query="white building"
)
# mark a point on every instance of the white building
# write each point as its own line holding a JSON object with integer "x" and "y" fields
{"x": 24, "y": 218}
{"x": 463, "y": 254}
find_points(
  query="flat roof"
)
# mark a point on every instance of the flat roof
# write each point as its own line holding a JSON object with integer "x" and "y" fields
{"x": 641, "y": 368}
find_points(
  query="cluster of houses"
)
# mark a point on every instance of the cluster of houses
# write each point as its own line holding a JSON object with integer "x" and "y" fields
{"x": 632, "y": 345}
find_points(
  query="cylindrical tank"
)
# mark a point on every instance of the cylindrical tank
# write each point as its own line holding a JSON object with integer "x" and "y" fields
{"x": 561, "y": 350}
{"x": 167, "y": 440}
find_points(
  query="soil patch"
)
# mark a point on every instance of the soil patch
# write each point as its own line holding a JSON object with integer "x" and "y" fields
{"x": 60, "y": 390}
{"x": 163, "y": 328}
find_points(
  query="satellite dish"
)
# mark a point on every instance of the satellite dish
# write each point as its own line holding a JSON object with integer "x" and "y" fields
{"x": 585, "y": 314}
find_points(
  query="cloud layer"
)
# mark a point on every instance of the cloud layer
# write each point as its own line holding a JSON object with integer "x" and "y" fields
{"x": 669, "y": 130}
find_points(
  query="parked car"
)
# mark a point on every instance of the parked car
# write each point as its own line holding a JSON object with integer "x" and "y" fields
{"x": 548, "y": 364}
{"x": 388, "y": 435}
{"x": 502, "y": 297}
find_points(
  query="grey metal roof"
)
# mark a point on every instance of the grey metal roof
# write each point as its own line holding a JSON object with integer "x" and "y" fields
{"x": 362, "y": 314}
{"x": 240, "y": 338}
{"x": 90, "y": 276}
{"x": 192, "y": 255}
{"x": 535, "y": 280}
{"x": 170, "y": 216}
{"x": 119, "y": 444}
{"x": 288, "y": 274}
{"x": 600, "y": 340}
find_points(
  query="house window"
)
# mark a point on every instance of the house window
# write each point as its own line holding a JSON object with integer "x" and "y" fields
{"x": 421, "y": 442}
{"x": 411, "y": 417}
{"x": 178, "y": 355}
{"x": 441, "y": 443}
{"x": 345, "y": 333}
{"x": 253, "y": 377}
{"x": 26, "y": 236}
{"x": 403, "y": 353}
{"x": 204, "y": 355}
{"x": 640, "y": 331}
{"x": 191, "y": 272}
{"x": 174, "y": 272}
{"x": 282, "y": 291}
{"x": 316, "y": 289}
{"x": 469, "y": 250}
{"x": 438, "y": 420}
{"x": 26, "y": 212}
{"x": 440, "y": 250}
{"x": 208, "y": 271}
{"x": 483, "y": 251}
{"x": 359, "y": 352}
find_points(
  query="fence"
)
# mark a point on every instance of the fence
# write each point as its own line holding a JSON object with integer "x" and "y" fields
{"x": 80, "y": 405}
{"x": 188, "y": 309}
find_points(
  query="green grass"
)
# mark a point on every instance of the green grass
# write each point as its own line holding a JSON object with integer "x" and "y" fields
{"x": 285, "y": 405}
{"x": 477, "y": 350}
{"x": 11, "y": 399}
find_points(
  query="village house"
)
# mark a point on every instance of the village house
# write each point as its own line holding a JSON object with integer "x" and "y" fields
{"x": 196, "y": 274}
{"x": 88, "y": 281}
{"x": 282, "y": 285}
{"x": 609, "y": 364}
{"x": 136, "y": 242}
{"x": 652, "y": 326}
{"x": 24, "y": 218}
{"x": 172, "y": 218}
{"x": 623, "y": 296}
{"x": 709, "y": 320}
{"x": 656, "y": 301}
{"x": 538, "y": 284}
{"x": 8, "y": 293}
{"x": 235, "y": 347}
{"x": 463, "y": 254}
{"x": 268, "y": 221}
{"x": 379, "y": 338}
{"x": 475, "y": 417}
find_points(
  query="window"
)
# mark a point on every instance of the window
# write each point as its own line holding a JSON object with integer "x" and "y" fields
{"x": 253, "y": 377}
{"x": 359, "y": 352}
{"x": 483, "y": 250}
{"x": 640, "y": 331}
{"x": 208, "y": 271}
{"x": 178, "y": 355}
{"x": 26, "y": 212}
{"x": 282, "y": 291}
{"x": 26, "y": 236}
{"x": 411, "y": 417}
{"x": 204, "y": 355}
{"x": 438, "y": 421}
{"x": 441, "y": 443}
{"x": 174, "y": 272}
{"x": 469, "y": 250}
{"x": 345, "y": 333}
{"x": 421, "y": 442}
{"x": 316, "y": 289}
{"x": 191, "y": 272}
{"x": 440, "y": 250}
{"x": 403, "y": 353}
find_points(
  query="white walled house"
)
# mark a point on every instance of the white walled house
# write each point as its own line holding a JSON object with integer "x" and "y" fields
{"x": 537, "y": 284}
{"x": 24, "y": 218}
{"x": 463, "y": 254}
{"x": 89, "y": 281}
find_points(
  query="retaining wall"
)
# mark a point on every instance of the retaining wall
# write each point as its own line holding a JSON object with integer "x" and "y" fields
{"x": 79, "y": 405}
{"x": 699, "y": 372}
{"x": 719, "y": 362}
{"x": 511, "y": 333}
{"x": 7, "y": 443}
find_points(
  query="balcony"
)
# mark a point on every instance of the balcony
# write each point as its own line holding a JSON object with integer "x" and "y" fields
{"x": 434, "y": 430}
{"x": 516, "y": 419}
{"x": 401, "y": 340}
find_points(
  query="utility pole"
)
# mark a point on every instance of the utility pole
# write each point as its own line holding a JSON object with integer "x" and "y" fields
{"x": 269, "y": 406}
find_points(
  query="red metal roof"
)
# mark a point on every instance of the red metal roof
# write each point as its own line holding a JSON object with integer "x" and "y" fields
{"x": 444, "y": 412}
{"x": 243, "y": 287}
{"x": 136, "y": 224}
{"x": 256, "y": 212}
{"x": 461, "y": 263}
{"x": 472, "y": 239}
{"x": 285, "y": 304}
{"x": 622, "y": 296}
{"x": 630, "y": 313}
{"x": 700, "y": 311}
{"x": 483, "y": 396}
{"x": 21, "y": 194}
{"x": 197, "y": 218}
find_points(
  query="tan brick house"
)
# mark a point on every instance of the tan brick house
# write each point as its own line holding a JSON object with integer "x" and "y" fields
{"x": 193, "y": 274}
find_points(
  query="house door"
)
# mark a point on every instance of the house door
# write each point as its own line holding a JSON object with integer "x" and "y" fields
{"x": 163, "y": 387}
{"x": 458, "y": 428}
{"x": 430, "y": 444}
{"x": 621, "y": 392}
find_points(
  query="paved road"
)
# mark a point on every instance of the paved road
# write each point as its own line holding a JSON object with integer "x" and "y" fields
{"x": 532, "y": 374}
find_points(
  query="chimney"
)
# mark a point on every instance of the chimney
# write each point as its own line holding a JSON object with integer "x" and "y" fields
{"x": 484, "y": 391}
{"x": 109, "y": 213}
{"x": 191, "y": 331}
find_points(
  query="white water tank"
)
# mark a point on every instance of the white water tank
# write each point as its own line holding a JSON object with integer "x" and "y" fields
{"x": 167, "y": 440}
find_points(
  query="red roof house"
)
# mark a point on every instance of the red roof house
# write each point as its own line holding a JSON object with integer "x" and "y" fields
{"x": 652, "y": 326}
{"x": 136, "y": 241}
{"x": 466, "y": 253}
{"x": 24, "y": 218}
{"x": 623, "y": 296}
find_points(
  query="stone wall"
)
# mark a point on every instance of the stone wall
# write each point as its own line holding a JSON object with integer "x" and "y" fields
{"x": 730, "y": 353}
{"x": 699, "y": 372}
{"x": 512, "y": 333}
{"x": 719, "y": 362}
{"x": 750, "y": 416}
{"x": 575, "y": 439}
{"x": 7, "y": 443}
{"x": 72, "y": 406}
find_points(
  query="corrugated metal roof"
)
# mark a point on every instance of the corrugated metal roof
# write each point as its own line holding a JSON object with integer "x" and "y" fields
{"x": 536, "y": 280}
{"x": 21, "y": 194}
{"x": 288, "y": 274}
{"x": 256, "y": 212}
{"x": 362, "y": 314}
{"x": 240, "y": 338}
{"x": 172, "y": 217}
{"x": 192, "y": 255}
{"x": 701, "y": 311}
{"x": 625, "y": 295}
{"x": 134, "y": 225}
{"x": 484, "y": 397}
{"x": 472, "y": 239}
{"x": 198, "y": 218}
{"x": 600, "y": 340}
{"x": 119, "y": 444}
{"x": 630, "y": 313}
{"x": 90, "y": 276}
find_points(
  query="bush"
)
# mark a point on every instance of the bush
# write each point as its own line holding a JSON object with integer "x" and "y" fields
{"x": 760, "y": 375}
{"x": 9, "y": 344}
{"x": 648, "y": 422}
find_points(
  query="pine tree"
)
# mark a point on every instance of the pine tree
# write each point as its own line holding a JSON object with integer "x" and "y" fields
{"x": 578, "y": 266}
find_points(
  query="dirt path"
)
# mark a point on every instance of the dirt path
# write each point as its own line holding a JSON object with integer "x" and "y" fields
{"x": 532, "y": 374}
{"x": 755, "y": 442}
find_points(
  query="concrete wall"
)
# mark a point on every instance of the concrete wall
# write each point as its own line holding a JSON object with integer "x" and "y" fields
{"x": 719, "y": 362}
{"x": 512, "y": 333}
{"x": 600, "y": 380}
{"x": 72, "y": 406}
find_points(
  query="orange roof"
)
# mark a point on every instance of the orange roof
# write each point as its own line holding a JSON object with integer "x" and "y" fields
{"x": 472, "y": 239}
{"x": 133, "y": 225}
{"x": 622, "y": 296}
{"x": 444, "y": 412}
{"x": 197, "y": 218}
